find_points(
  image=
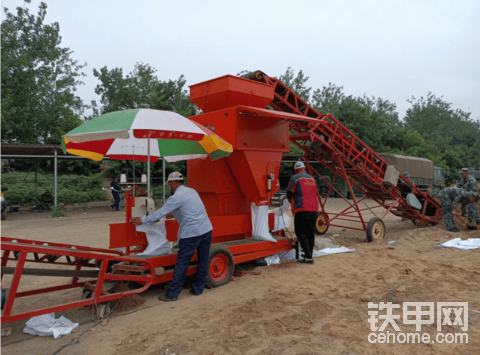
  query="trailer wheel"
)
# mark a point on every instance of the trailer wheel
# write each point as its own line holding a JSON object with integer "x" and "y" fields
{"x": 321, "y": 226}
{"x": 220, "y": 266}
{"x": 375, "y": 229}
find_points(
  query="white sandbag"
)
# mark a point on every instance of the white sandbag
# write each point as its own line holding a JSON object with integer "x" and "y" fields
{"x": 290, "y": 255}
{"x": 330, "y": 251}
{"x": 156, "y": 237}
{"x": 272, "y": 259}
{"x": 260, "y": 224}
{"x": 284, "y": 207}
{"x": 469, "y": 244}
{"x": 282, "y": 220}
{"x": 46, "y": 325}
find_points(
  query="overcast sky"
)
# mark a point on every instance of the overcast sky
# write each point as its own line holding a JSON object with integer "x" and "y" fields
{"x": 388, "y": 49}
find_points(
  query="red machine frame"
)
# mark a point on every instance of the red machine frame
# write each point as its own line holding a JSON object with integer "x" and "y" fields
{"x": 343, "y": 153}
{"x": 75, "y": 257}
{"x": 151, "y": 270}
{"x": 236, "y": 107}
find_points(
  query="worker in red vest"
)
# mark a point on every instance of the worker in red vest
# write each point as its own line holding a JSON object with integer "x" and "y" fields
{"x": 302, "y": 194}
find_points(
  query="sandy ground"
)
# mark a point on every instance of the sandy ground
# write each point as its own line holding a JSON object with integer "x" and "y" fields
{"x": 288, "y": 309}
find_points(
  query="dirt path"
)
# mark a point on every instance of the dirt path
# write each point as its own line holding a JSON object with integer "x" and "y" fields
{"x": 288, "y": 309}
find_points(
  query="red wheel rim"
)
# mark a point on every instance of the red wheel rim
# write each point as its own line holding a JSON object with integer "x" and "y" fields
{"x": 219, "y": 267}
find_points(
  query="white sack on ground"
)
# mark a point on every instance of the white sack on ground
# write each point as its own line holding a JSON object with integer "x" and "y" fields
{"x": 272, "y": 260}
{"x": 260, "y": 224}
{"x": 46, "y": 325}
{"x": 158, "y": 243}
{"x": 469, "y": 244}
{"x": 290, "y": 255}
{"x": 330, "y": 251}
{"x": 282, "y": 220}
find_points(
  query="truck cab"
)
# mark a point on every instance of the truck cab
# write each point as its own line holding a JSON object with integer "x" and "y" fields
{"x": 438, "y": 179}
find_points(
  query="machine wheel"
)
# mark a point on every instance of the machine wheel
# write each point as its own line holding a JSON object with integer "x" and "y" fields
{"x": 375, "y": 229}
{"x": 220, "y": 266}
{"x": 321, "y": 227}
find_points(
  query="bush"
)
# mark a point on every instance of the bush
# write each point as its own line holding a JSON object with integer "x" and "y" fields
{"x": 57, "y": 211}
{"x": 77, "y": 167}
{"x": 158, "y": 191}
{"x": 17, "y": 195}
{"x": 92, "y": 182}
{"x": 71, "y": 188}
{"x": 96, "y": 195}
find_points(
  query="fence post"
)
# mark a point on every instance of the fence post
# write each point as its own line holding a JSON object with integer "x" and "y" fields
{"x": 36, "y": 183}
{"x": 55, "y": 174}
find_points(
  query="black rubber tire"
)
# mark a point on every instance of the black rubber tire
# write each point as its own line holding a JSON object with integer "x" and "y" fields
{"x": 319, "y": 231}
{"x": 215, "y": 250}
{"x": 375, "y": 229}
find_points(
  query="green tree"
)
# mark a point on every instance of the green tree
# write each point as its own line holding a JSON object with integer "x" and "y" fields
{"x": 39, "y": 80}
{"x": 328, "y": 99}
{"x": 455, "y": 136}
{"x": 297, "y": 83}
{"x": 140, "y": 89}
{"x": 373, "y": 120}
{"x": 432, "y": 114}
{"x": 299, "y": 86}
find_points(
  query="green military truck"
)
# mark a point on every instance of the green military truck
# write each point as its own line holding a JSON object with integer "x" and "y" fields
{"x": 475, "y": 172}
{"x": 422, "y": 172}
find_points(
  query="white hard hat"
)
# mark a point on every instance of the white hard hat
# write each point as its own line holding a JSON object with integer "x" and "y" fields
{"x": 175, "y": 176}
{"x": 299, "y": 165}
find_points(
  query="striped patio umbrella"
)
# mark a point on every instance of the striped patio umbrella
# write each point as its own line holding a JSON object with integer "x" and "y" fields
{"x": 144, "y": 135}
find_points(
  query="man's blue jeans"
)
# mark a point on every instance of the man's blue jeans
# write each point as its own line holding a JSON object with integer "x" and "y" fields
{"x": 188, "y": 247}
{"x": 116, "y": 196}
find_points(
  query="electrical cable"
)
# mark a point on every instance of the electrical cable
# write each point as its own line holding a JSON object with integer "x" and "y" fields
{"x": 89, "y": 321}
{"x": 76, "y": 338}
{"x": 110, "y": 314}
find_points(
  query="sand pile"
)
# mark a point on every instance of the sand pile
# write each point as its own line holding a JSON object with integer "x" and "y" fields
{"x": 127, "y": 303}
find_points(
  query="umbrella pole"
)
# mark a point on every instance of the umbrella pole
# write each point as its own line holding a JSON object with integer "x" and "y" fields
{"x": 163, "y": 181}
{"x": 148, "y": 168}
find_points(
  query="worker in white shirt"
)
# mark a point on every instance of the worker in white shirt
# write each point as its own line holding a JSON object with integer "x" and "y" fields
{"x": 194, "y": 234}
